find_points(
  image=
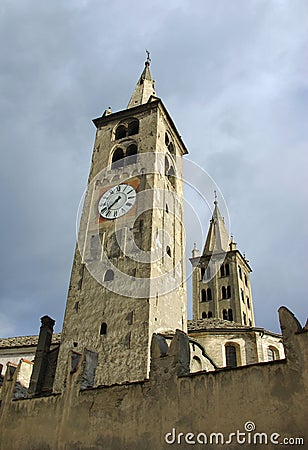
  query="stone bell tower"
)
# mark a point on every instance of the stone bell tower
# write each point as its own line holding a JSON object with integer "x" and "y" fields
{"x": 221, "y": 277}
{"x": 128, "y": 275}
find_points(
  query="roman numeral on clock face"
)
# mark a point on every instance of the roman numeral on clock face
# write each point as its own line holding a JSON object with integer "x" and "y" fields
{"x": 117, "y": 201}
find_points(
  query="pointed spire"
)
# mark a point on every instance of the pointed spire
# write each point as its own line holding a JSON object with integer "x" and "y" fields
{"x": 145, "y": 86}
{"x": 218, "y": 237}
{"x": 195, "y": 251}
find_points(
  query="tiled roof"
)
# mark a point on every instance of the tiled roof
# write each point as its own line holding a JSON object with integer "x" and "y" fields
{"x": 206, "y": 324}
{"x": 26, "y": 341}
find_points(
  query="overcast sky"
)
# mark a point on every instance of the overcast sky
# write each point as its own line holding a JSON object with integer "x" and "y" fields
{"x": 234, "y": 77}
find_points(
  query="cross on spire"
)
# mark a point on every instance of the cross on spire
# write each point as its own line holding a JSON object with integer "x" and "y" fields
{"x": 148, "y": 61}
{"x": 215, "y": 196}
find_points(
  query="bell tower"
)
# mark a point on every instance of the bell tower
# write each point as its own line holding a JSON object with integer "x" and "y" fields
{"x": 128, "y": 274}
{"x": 221, "y": 277}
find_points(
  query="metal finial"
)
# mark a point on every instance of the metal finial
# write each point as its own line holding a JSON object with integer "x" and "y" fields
{"x": 215, "y": 196}
{"x": 148, "y": 57}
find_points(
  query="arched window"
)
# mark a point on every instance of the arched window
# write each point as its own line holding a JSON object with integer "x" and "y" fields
{"x": 231, "y": 359}
{"x": 210, "y": 314}
{"x": 204, "y": 316}
{"x": 133, "y": 127}
{"x": 224, "y": 292}
{"x": 120, "y": 132}
{"x": 171, "y": 172}
{"x": 109, "y": 275}
{"x": 117, "y": 158}
{"x": 203, "y": 295}
{"x": 240, "y": 272}
{"x": 244, "y": 319}
{"x": 131, "y": 152}
{"x": 171, "y": 147}
{"x": 272, "y": 354}
{"x": 166, "y": 139}
{"x": 245, "y": 278}
{"x": 222, "y": 271}
{"x": 209, "y": 294}
{"x": 103, "y": 329}
{"x": 248, "y": 302}
{"x": 228, "y": 291}
{"x": 250, "y": 323}
{"x": 230, "y": 314}
{"x": 227, "y": 269}
{"x": 167, "y": 209}
{"x": 242, "y": 295}
{"x": 202, "y": 273}
{"x": 171, "y": 177}
{"x": 196, "y": 364}
{"x": 168, "y": 251}
{"x": 225, "y": 314}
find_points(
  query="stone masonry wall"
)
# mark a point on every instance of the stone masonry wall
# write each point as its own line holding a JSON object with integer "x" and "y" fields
{"x": 139, "y": 415}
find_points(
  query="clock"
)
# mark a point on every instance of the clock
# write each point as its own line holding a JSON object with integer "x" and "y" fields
{"x": 117, "y": 201}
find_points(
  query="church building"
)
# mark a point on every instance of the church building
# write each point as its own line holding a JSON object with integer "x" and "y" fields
{"x": 140, "y": 150}
{"x": 128, "y": 364}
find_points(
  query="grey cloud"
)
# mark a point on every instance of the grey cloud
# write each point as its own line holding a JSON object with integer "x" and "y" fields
{"x": 233, "y": 79}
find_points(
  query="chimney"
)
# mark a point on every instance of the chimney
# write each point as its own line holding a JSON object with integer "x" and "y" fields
{"x": 41, "y": 356}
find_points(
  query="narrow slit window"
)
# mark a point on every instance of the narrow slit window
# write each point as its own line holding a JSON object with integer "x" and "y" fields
{"x": 103, "y": 329}
{"x": 203, "y": 295}
{"x": 224, "y": 292}
{"x": 228, "y": 291}
{"x": 230, "y": 315}
{"x": 227, "y": 269}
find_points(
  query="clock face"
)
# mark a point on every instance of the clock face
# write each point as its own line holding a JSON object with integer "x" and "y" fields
{"x": 117, "y": 201}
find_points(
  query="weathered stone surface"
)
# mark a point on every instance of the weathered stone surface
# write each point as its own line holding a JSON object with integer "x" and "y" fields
{"x": 138, "y": 415}
{"x": 124, "y": 350}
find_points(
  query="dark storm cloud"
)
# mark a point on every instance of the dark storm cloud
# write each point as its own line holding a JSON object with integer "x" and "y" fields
{"x": 234, "y": 79}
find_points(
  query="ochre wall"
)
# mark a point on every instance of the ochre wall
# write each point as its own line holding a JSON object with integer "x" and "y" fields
{"x": 138, "y": 415}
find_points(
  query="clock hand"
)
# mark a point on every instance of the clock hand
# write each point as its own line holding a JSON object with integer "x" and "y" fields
{"x": 112, "y": 204}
